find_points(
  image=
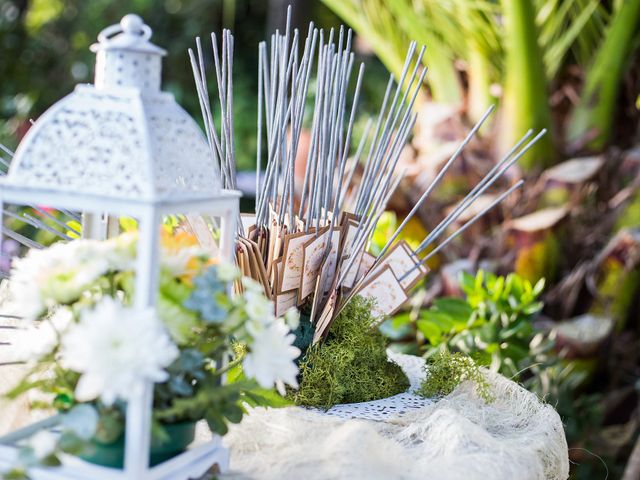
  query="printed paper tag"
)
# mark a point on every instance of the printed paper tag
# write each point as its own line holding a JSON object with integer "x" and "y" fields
{"x": 313, "y": 255}
{"x": 399, "y": 258}
{"x": 293, "y": 260}
{"x": 285, "y": 301}
{"x": 387, "y": 292}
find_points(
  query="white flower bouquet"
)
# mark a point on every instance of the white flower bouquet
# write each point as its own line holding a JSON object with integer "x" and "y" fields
{"x": 96, "y": 349}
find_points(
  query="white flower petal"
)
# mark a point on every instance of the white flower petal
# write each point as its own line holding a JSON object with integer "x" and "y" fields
{"x": 116, "y": 349}
{"x": 43, "y": 444}
{"x": 271, "y": 358}
{"x": 227, "y": 271}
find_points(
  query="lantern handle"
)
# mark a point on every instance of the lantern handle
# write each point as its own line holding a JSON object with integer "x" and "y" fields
{"x": 130, "y": 25}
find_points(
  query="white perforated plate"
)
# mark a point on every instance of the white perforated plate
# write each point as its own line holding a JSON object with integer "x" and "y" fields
{"x": 397, "y": 405}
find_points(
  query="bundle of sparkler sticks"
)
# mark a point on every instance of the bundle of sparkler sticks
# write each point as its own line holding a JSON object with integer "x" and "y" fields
{"x": 308, "y": 245}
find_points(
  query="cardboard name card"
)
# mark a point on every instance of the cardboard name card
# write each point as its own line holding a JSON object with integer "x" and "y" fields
{"x": 256, "y": 266}
{"x": 387, "y": 292}
{"x": 403, "y": 265}
{"x": 363, "y": 266}
{"x": 326, "y": 317}
{"x": 248, "y": 220}
{"x": 293, "y": 260}
{"x": 349, "y": 227}
{"x": 329, "y": 268}
{"x": 285, "y": 301}
{"x": 313, "y": 255}
{"x": 351, "y": 276}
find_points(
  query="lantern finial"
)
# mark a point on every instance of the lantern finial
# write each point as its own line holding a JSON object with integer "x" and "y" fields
{"x": 126, "y": 57}
{"x": 132, "y": 23}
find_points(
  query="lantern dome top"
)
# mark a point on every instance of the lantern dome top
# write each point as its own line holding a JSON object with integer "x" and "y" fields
{"x": 130, "y": 34}
{"x": 122, "y": 137}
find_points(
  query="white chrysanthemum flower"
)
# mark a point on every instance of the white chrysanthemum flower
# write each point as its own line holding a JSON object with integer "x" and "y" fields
{"x": 292, "y": 317}
{"x": 258, "y": 307}
{"x": 255, "y": 327}
{"x": 43, "y": 444}
{"x": 42, "y": 337}
{"x": 58, "y": 274}
{"x": 250, "y": 285}
{"x": 227, "y": 271}
{"x": 115, "y": 349}
{"x": 271, "y": 358}
{"x": 120, "y": 251}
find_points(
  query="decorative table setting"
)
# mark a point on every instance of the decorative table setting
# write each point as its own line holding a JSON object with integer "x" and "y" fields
{"x": 174, "y": 310}
{"x": 406, "y": 436}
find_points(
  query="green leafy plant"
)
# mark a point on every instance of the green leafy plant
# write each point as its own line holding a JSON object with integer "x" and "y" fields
{"x": 492, "y": 324}
{"x": 351, "y": 365}
{"x": 446, "y": 370}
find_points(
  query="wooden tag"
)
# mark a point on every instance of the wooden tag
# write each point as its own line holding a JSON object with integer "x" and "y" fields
{"x": 313, "y": 253}
{"x": 293, "y": 260}
{"x": 385, "y": 289}
{"x": 326, "y": 317}
{"x": 285, "y": 301}
{"x": 401, "y": 261}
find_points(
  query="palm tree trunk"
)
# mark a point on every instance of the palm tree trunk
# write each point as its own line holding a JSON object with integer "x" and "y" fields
{"x": 525, "y": 99}
{"x": 593, "y": 117}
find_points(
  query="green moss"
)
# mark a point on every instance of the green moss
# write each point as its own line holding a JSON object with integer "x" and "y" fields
{"x": 445, "y": 371}
{"x": 351, "y": 365}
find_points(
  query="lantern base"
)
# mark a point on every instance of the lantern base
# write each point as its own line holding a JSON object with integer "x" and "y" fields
{"x": 195, "y": 462}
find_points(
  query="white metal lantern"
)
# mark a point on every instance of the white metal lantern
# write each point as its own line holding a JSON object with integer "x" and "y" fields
{"x": 122, "y": 147}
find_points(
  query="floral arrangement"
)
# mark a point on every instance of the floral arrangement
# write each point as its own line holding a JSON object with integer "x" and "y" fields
{"x": 94, "y": 349}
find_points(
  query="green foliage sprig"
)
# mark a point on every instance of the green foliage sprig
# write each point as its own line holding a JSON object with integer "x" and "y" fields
{"x": 446, "y": 370}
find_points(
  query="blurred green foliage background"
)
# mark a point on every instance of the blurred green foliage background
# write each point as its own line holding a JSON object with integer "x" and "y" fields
{"x": 44, "y": 52}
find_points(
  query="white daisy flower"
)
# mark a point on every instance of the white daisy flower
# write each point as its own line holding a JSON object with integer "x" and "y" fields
{"x": 271, "y": 358}
{"x": 58, "y": 274}
{"x": 116, "y": 349}
{"x": 292, "y": 317}
{"x": 42, "y": 337}
{"x": 258, "y": 307}
{"x": 120, "y": 251}
{"x": 227, "y": 271}
{"x": 250, "y": 285}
